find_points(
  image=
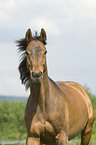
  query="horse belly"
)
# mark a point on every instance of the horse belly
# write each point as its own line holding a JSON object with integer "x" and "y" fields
{"x": 77, "y": 120}
{"x": 77, "y": 107}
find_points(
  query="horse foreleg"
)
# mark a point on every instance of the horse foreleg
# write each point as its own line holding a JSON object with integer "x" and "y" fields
{"x": 62, "y": 138}
{"x": 33, "y": 141}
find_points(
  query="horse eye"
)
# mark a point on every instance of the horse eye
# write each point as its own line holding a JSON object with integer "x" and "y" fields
{"x": 45, "y": 52}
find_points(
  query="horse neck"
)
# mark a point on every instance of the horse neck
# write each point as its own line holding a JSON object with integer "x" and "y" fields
{"x": 39, "y": 92}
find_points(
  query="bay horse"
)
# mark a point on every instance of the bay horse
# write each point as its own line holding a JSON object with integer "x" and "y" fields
{"x": 56, "y": 112}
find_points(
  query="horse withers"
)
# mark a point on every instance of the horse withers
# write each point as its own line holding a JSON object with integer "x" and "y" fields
{"x": 56, "y": 111}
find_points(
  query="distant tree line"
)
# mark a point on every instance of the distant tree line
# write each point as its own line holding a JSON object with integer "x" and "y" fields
{"x": 12, "y": 126}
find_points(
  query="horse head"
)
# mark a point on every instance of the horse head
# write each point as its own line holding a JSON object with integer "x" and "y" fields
{"x": 36, "y": 56}
{"x": 33, "y": 58}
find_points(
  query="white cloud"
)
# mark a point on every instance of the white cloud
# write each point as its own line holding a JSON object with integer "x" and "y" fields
{"x": 6, "y": 8}
{"x": 71, "y": 22}
{"x": 7, "y": 4}
{"x": 48, "y": 25}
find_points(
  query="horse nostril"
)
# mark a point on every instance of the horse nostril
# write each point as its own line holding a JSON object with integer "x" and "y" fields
{"x": 36, "y": 74}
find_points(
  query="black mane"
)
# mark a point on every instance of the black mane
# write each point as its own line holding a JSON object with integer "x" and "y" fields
{"x": 22, "y": 44}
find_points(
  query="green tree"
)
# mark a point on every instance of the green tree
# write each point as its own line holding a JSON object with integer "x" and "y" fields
{"x": 12, "y": 124}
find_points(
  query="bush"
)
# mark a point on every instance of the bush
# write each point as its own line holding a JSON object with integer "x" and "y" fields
{"x": 12, "y": 124}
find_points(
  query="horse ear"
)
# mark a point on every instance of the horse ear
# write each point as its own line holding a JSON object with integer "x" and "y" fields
{"x": 43, "y": 34}
{"x": 28, "y": 35}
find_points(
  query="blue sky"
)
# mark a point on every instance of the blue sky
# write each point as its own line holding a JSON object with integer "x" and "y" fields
{"x": 71, "y": 40}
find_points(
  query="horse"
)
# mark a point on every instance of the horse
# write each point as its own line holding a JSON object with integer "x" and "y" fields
{"x": 56, "y": 112}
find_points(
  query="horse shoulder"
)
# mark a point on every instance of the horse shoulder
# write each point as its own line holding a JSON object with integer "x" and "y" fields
{"x": 33, "y": 118}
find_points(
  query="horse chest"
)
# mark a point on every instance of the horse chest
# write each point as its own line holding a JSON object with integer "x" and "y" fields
{"x": 37, "y": 124}
{"x": 44, "y": 123}
{"x": 42, "y": 129}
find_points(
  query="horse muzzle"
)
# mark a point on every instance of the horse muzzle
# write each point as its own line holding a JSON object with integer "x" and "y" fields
{"x": 36, "y": 77}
